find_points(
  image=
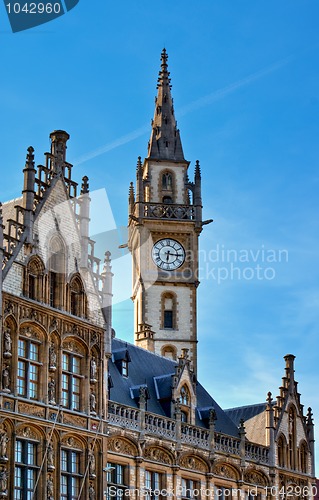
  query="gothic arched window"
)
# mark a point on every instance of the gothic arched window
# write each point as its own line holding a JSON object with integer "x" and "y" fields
{"x": 167, "y": 181}
{"x": 57, "y": 272}
{"x": 77, "y": 297}
{"x": 184, "y": 396}
{"x": 292, "y": 438}
{"x": 33, "y": 285}
{"x": 281, "y": 446}
{"x": 303, "y": 457}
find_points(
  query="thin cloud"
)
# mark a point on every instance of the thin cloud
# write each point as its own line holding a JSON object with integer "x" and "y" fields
{"x": 199, "y": 103}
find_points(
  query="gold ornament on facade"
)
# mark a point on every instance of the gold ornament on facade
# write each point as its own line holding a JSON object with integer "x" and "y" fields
{"x": 226, "y": 471}
{"x": 194, "y": 463}
{"x": 122, "y": 447}
{"x": 158, "y": 455}
{"x": 255, "y": 477}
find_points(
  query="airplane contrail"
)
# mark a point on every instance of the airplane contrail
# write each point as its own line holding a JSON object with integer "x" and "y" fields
{"x": 188, "y": 108}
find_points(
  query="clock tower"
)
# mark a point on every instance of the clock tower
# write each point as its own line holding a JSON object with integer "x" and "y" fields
{"x": 165, "y": 221}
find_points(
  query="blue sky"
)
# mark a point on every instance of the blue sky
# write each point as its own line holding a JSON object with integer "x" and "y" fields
{"x": 245, "y": 81}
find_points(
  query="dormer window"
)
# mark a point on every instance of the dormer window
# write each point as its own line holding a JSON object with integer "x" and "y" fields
{"x": 125, "y": 368}
{"x": 121, "y": 358}
{"x": 184, "y": 396}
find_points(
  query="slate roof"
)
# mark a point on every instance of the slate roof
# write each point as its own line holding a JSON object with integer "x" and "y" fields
{"x": 154, "y": 371}
{"x": 245, "y": 412}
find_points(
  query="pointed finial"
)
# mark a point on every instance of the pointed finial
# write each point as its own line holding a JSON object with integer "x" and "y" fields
{"x": 269, "y": 398}
{"x": 197, "y": 170}
{"x": 30, "y": 158}
{"x": 241, "y": 427}
{"x": 85, "y": 185}
{"x": 131, "y": 194}
{"x": 309, "y": 417}
{"x": 107, "y": 262}
{"x": 212, "y": 415}
{"x": 139, "y": 164}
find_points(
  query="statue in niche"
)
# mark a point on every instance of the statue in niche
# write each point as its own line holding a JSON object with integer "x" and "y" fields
{"x": 3, "y": 481}
{"x": 50, "y": 488}
{"x": 52, "y": 357}
{"x": 50, "y": 456}
{"x": 6, "y": 378}
{"x": 93, "y": 369}
{"x": 92, "y": 465}
{"x": 51, "y": 391}
{"x": 91, "y": 492}
{"x": 3, "y": 445}
{"x": 7, "y": 343}
{"x": 92, "y": 402}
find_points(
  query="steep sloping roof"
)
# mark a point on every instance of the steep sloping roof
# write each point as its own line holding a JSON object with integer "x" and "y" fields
{"x": 154, "y": 371}
{"x": 254, "y": 417}
{"x": 9, "y": 212}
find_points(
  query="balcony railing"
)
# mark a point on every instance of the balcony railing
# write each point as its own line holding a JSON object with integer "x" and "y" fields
{"x": 168, "y": 211}
{"x": 156, "y": 425}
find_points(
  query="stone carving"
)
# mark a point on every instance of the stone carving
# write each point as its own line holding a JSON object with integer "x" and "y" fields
{"x": 94, "y": 339}
{"x": 225, "y": 471}
{"x": 91, "y": 492}
{"x": 52, "y": 357}
{"x": 254, "y": 477}
{"x": 50, "y": 488}
{"x": 51, "y": 391}
{"x": 3, "y": 482}
{"x": 158, "y": 455}
{"x": 122, "y": 447}
{"x": 143, "y": 394}
{"x": 6, "y": 378}
{"x": 27, "y": 432}
{"x": 7, "y": 341}
{"x": 194, "y": 463}
{"x": 93, "y": 370}
{"x": 8, "y": 307}
{"x": 3, "y": 445}
{"x": 92, "y": 464}
{"x": 29, "y": 332}
{"x": 74, "y": 420}
{"x": 31, "y": 410}
{"x": 92, "y": 402}
{"x": 54, "y": 324}
{"x": 50, "y": 457}
{"x": 71, "y": 346}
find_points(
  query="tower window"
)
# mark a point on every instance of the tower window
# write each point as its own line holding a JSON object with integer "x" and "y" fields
{"x": 167, "y": 181}
{"x": 168, "y": 311}
{"x": 168, "y": 319}
{"x": 167, "y": 200}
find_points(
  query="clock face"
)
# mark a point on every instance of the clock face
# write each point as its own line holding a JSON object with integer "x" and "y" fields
{"x": 168, "y": 254}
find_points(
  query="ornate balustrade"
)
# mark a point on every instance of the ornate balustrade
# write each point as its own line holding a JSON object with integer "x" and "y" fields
{"x": 195, "y": 436}
{"x": 256, "y": 453}
{"x": 228, "y": 444}
{"x": 164, "y": 427}
{"x": 130, "y": 418}
{"x": 169, "y": 211}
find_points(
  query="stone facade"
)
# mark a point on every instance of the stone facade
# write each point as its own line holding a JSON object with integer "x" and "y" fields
{"x": 82, "y": 420}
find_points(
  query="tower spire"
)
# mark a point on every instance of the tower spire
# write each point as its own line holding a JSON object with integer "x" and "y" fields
{"x": 165, "y": 142}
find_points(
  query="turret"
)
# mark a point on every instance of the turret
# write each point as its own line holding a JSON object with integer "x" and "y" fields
{"x": 84, "y": 221}
{"x": 311, "y": 439}
{"x": 28, "y": 194}
{"x": 59, "y": 139}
